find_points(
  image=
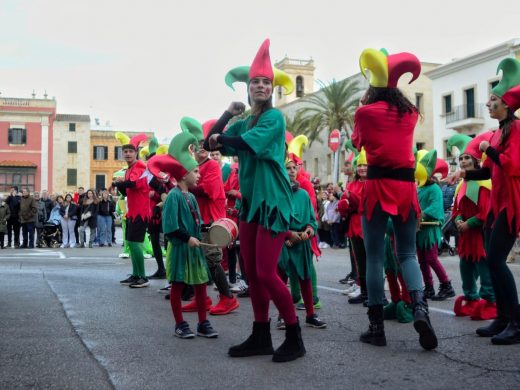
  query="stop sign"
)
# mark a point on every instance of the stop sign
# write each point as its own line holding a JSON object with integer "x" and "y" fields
{"x": 334, "y": 140}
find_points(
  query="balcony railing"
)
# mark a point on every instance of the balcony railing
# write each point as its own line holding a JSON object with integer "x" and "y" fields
{"x": 465, "y": 111}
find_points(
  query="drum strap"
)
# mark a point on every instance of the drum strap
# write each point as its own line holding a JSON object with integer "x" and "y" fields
{"x": 194, "y": 213}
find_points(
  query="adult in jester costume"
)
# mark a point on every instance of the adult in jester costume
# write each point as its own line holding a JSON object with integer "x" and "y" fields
{"x": 134, "y": 186}
{"x": 470, "y": 210}
{"x": 384, "y": 126}
{"x": 429, "y": 235}
{"x": 502, "y": 226}
{"x": 265, "y": 215}
{"x": 296, "y": 257}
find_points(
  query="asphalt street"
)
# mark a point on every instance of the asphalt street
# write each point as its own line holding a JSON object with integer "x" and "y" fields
{"x": 67, "y": 323}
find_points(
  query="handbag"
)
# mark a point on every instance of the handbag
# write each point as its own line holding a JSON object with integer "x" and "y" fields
{"x": 86, "y": 215}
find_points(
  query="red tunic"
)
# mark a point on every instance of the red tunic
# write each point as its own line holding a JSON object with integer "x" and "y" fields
{"x": 505, "y": 193}
{"x": 388, "y": 142}
{"x": 471, "y": 242}
{"x": 210, "y": 192}
{"x": 232, "y": 184}
{"x": 354, "y": 194}
{"x": 138, "y": 198}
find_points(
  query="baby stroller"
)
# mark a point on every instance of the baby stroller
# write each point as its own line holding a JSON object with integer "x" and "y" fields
{"x": 447, "y": 231}
{"x": 51, "y": 236}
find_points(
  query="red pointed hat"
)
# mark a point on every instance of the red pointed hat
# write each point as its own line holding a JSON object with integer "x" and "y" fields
{"x": 473, "y": 146}
{"x": 512, "y": 98}
{"x": 207, "y": 126}
{"x": 441, "y": 166}
{"x": 261, "y": 66}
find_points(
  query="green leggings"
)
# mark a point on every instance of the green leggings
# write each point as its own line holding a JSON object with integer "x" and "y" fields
{"x": 470, "y": 272}
{"x": 136, "y": 254}
{"x": 295, "y": 285}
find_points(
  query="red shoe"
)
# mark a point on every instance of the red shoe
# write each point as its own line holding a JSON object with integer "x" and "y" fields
{"x": 485, "y": 311}
{"x": 192, "y": 306}
{"x": 468, "y": 309}
{"x": 224, "y": 306}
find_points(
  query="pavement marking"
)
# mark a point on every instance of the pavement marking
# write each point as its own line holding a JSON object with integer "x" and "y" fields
{"x": 443, "y": 311}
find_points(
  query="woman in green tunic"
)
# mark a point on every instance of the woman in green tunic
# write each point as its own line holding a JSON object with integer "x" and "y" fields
{"x": 259, "y": 142}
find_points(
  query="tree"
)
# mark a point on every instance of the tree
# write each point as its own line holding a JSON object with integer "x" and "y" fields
{"x": 331, "y": 108}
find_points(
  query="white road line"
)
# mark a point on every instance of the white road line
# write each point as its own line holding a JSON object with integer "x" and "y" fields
{"x": 448, "y": 312}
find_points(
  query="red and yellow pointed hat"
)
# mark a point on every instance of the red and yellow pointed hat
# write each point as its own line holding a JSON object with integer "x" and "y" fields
{"x": 386, "y": 69}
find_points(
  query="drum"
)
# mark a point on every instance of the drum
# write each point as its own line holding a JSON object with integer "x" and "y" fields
{"x": 223, "y": 232}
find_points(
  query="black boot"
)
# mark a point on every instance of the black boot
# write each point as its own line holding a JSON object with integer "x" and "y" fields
{"x": 445, "y": 291}
{"x": 422, "y": 325}
{"x": 375, "y": 334}
{"x": 497, "y": 326}
{"x": 429, "y": 291}
{"x": 258, "y": 343}
{"x": 511, "y": 334}
{"x": 292, "y": 348}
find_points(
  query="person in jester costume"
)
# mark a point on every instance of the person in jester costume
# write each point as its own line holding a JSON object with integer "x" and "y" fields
{"x": 181, "y": 225}
{"x": 211, "y": 199}
{"x": 350, "y": 206}
{"x": 384, "y": 126}
{"x": 470, "y": 210}
{"x": 429, "y": 234}
{"x": 265, "y": 215}
{"x": 502, "y": 226}
{"x": 296, "y": 257}
{"x": 134, "y": 186}
{"x": 295, "y": 147}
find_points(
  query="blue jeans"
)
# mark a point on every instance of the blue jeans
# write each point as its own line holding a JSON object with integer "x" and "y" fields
{"x": 104, "y": 224}
{"x": 374, "y": 235}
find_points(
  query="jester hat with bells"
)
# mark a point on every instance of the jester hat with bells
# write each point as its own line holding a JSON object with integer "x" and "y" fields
{"x": 131, "y": 143}
{"x": 508, "y": 88}
{"x": 153, "y": 148}
{"x": 261, "y": 67}
{"x": 386, "y": 69}
{"x": 295, "y": 149}
{"x": 425, "y": 167}
{"x": 360, "y": 159}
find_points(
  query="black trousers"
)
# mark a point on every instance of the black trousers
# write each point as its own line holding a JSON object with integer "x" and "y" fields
{"x": 13, "y": 227}
{"x": 499, "y": 241}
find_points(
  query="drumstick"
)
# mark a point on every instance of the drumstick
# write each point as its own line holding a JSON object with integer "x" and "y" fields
{"x": 430, "y": 223}
{"x": 206, "y": 244}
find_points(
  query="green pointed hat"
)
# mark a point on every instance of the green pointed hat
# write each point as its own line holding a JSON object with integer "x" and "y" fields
{"x": 350, "y": 148}
{"x": 510, "y": 76}
{"x": 180, "y": 150}
{"x": 458, "y": 143}
{"x": 193, "y": 127}
{"x": 425, "y": 167}
{"x": 153, "y": 145}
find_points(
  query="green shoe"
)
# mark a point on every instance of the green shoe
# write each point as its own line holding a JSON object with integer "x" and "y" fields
{"x": 404, "y": 313}
{"x": 300, "y": 305}
{"x": 389, "y": 311}
{"x": 317, "y": 303}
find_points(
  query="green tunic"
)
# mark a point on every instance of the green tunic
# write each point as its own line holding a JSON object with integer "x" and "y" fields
{"x": 297, "y": 260}
{"x": 226, "y": 170}
{"x": 264, "y": 183}
{"x": 432, "y": 210}
{"x": 187, "y": 264}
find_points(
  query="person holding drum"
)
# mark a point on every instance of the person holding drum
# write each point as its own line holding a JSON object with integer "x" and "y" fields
{"x": 259, "y": 142}
{"x": 181, "y": 226}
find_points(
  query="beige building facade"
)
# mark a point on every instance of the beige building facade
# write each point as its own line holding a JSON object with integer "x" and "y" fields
{"x": 302, "y": 74}
{"x": 71, "y": 152}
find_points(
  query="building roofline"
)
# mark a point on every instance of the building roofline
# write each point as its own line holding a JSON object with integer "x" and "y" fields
{"x": 497, "y": 51}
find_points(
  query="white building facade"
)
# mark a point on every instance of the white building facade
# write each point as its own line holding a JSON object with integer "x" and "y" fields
{"x": 460, "y": 90}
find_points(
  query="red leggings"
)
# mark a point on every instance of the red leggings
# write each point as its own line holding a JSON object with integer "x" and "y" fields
{"x": 260, "y": 252}
{"x": 306, "y": 290}
{"x": 175, "y": 301}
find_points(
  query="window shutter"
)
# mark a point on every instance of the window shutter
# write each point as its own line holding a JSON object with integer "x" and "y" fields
{"x": 106, "y": 152}
{"x": 94, "y": 154}
{"x": 10, "y": 136}
{"x": 24, "y": 136}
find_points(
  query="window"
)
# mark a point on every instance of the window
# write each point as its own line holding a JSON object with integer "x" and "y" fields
{"x": 19, "y": 176}
{"x": 17, "y": 136}
{"x": 469, "y": 96}
{"x": 118, "y": 152}
{"x": 446, "y": 100}
{"x": 100, "y": 182}
{"x": 72, "y": 177}
{"x": 72, "y": 127}
{"x": 418, "y": 101}
{"x": 419, "y": 145}
{"x": 73, "y": 147}
{"x": 100, "y": 152}
{"x": 299, "y": 86}
{"x": 280, "y": 92}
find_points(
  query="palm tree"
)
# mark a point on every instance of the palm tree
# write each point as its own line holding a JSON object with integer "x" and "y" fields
{"x": 331, "y": 108}
{"x": 295, "y": 124}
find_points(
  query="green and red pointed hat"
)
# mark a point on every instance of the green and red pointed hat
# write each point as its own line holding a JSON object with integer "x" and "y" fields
{"x": 508, "y": 88}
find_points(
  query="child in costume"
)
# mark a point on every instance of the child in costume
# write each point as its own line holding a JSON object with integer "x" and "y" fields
{"x": 502, "y": 165}
{"x": 469, "y": 210}
{"x": 181, "y": 226}
{"x": 384, "y": 125}
{"x": 429, "y": 236}
{"x": 259, "y": 142}
{"x": 296, "y": 257}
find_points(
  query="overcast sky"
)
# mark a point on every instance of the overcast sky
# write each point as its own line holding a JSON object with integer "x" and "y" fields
{"x": 143, "y": 65}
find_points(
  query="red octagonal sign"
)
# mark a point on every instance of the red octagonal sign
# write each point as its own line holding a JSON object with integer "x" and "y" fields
{"x": 334, "y": 140}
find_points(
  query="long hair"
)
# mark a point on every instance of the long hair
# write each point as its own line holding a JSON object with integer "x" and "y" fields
{"x": 506, "y": 126}
{"x": 259, "y": 110}
{"x": 393, "y": 96}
